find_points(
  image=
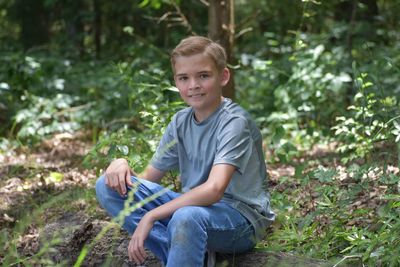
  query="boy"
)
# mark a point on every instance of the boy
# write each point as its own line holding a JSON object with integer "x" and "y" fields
{"x": 216, "y": 147}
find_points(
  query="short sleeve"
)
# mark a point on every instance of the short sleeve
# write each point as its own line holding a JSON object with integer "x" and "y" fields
{"x": 166, "y": 156}
{"x": 234, "y": 143}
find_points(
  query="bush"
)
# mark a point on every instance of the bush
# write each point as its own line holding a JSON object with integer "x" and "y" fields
{"x": 373, "y": 120}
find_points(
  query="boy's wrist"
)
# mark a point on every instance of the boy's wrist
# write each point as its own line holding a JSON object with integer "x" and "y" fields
{"x": 119, "y": 159}
{"x": 150, "y": 216}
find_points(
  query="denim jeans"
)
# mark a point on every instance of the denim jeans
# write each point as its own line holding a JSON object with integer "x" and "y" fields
{"x": 183, "y": 238}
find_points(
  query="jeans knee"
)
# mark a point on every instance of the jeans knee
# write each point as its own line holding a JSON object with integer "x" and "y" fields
{"x": 186, "y": 218}
{"x": 183, "y": 214}
{"x": 102, "y": 190}
{"x": 186, "y": 223}
{"x": 100, "y": 185}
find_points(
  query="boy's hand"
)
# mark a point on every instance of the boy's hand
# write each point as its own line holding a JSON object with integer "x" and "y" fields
{"x": 136, "y": 250}
{"x": 118, "y": 176}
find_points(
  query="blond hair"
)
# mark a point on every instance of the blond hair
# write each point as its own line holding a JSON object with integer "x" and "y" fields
{"x": 194, "y": 45}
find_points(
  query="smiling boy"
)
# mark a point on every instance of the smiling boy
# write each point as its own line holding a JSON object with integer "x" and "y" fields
{"x": 216, "y": 147}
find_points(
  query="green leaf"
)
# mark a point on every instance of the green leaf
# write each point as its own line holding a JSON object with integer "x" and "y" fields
{"x": 123, "y": 149}
{"x": 278, "y": 135}
{"x": 173, "y": 89}
{"x": 54, "y": 177}
{"x": 144, "y": 3}
{"x": 128, "y": 30}
{"x": 324, "y": 175}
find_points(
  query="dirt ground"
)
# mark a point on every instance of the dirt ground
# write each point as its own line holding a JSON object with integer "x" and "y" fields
{"x": 68, "y": 234}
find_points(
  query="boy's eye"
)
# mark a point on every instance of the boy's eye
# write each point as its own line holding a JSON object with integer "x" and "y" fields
{"x": 204, "y": 76}
{"x": 182, "y": 78}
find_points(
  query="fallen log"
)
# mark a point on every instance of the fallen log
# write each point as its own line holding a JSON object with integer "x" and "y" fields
{"x": 83, "y": 239}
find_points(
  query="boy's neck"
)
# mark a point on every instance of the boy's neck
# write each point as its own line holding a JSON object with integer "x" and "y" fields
{"x": 200, "y": 115}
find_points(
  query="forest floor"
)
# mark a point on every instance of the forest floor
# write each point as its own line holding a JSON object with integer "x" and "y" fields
{"x": 49, "y": 213}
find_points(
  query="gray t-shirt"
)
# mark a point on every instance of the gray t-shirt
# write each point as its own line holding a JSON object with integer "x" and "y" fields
{"x": 228, "y": 136}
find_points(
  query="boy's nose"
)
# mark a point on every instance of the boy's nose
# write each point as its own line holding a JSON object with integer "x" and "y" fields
{"x": 193, "y": 84}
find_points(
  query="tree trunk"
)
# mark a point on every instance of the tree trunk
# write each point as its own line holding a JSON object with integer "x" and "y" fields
{"x": 221, "y": 28}
{"x": 350, "y": 12}
{"x": 34, "y": 23}
{"x": 72, "y": 13}
{"x": 97, "y": 26}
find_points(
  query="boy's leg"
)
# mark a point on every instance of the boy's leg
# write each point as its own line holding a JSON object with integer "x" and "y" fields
{"x": 193, "y": 229}
{"x": 114, "y": 203}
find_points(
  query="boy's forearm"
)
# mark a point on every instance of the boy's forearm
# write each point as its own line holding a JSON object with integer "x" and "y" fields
{"x": 152, "y": 174}
{"x": 205, "y": 194}
{"x": 202, "y": 195}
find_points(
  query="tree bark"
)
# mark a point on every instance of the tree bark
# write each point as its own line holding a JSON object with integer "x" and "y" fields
{"x": 221, "y": 28}
{"x": 350, "y": 12}
{"x": 97, "y": 26}
{"x": 72, "y": 13}
{"x": 34, "y": 22}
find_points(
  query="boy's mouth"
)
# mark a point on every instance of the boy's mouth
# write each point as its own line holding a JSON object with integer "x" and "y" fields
{"x": 197, "y": 95}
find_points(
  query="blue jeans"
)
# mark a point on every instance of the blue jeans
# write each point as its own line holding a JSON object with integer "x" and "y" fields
{"x": 183, "y": 238}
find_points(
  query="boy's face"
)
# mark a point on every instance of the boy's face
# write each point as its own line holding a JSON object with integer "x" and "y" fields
{"x": 200, "y": 83}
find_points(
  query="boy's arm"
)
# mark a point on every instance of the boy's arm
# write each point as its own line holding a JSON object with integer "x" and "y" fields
{"x": 152, "y": 174}
{"x": 203, "y": 195}
{"x": 118, "y": 175}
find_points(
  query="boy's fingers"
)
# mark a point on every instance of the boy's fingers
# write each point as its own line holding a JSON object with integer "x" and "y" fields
{"x": 128, "y": 178}
{"x": 114, "y": 182}
{"x": 106, "y": 178}
{"x": 121, "y": 184}
{"x": 140, "y": 254}
{"x": 130, "y": 251}
{"x": 110, "y": 181}
{"x": 134, "y": 253}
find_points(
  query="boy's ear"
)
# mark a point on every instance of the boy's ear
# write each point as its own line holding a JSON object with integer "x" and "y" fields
{"x": 225, "y": 75}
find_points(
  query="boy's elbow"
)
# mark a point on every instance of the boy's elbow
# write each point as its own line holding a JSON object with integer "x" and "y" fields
{"x": 216, "y": 194}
